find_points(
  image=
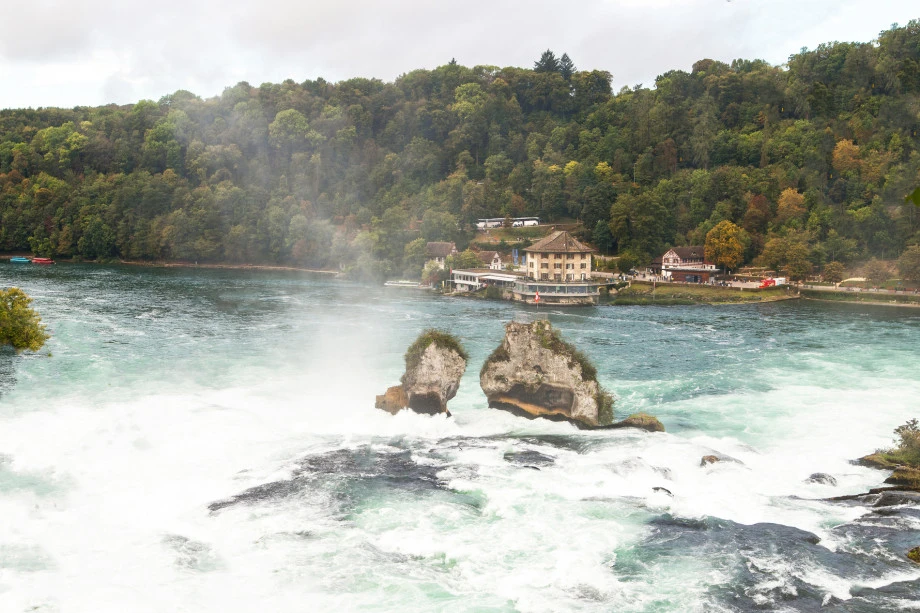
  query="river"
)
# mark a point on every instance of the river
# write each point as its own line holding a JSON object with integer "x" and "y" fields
{"x": 206, "y": 440}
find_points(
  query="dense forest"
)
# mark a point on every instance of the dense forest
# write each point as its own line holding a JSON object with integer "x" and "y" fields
{"x": 810, "y": 160}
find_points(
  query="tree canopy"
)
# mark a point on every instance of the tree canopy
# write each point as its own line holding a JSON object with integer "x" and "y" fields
{"x": 824, "y": 151}
{"x": 20, "y": 326}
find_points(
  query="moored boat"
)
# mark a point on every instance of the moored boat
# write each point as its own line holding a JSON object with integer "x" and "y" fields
{"x": 45, "y": 261}
{"x": 18, "y": 259}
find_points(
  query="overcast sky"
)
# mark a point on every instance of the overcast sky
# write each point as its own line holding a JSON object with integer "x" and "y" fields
{"x": 57, "y": 53}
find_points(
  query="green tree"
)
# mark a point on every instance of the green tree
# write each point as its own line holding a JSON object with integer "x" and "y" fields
{"x": 414, "y": 257}
{"x": 602, "y": 238}
{"x": 547, "y": 63}
{"x": 725, "y": 245}
{"x": 797, "y": 264}
{"x": 566, "y": 66}
{"x": 464, "y": 260}
{"x": 20, "y": 326}
{"x": 909, "y": 264}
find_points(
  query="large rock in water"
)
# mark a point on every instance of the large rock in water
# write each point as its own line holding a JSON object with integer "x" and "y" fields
{"x": 435, "y": 362}
{"x": 537, "y": 374}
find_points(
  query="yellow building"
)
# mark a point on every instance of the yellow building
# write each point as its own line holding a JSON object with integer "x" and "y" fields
{"x": 559, "y": 257}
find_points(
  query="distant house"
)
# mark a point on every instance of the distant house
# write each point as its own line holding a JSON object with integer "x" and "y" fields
{"x": 683, "y": 256}
{"x": 491, "y": 260}
{"x": 559, "y": 257}
{"x": 439, "y": 252}
{"x": 687, "y": 264}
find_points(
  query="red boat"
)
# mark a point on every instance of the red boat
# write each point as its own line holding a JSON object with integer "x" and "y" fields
{"x": 44, "y": 261}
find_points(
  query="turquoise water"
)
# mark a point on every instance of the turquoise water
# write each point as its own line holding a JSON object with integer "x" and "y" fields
{"x": 206, "y": 440}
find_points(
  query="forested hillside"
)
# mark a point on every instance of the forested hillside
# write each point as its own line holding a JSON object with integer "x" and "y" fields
{"x": 812, "y": 159}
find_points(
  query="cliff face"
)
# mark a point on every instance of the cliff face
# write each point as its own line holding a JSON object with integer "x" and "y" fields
{"x": 435, "y": 362}
{"x": 536, "y": 373}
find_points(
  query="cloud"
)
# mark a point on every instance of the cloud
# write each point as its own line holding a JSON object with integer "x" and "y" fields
{"x": 99, "y": 51}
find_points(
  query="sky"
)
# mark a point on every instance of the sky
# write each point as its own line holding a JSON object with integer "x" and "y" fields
{"x": 96, "y": 52}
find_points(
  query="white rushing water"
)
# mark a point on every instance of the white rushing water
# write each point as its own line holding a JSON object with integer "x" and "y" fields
{"x": 170, "y": 393}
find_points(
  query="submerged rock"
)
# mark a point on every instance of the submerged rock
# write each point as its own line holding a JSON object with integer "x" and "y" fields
{"x": 435, "y": 362}
{"x": 892, "y": 498}
{"x": 914, "y": 555}
{"x": 536, "y": 374}
{"x": 823, "y": 478}
{"x": 706, "y": 460}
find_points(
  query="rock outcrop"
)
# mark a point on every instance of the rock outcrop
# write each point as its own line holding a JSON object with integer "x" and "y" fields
{"x": 642, "y": 421}
{"x": 435, "y": 362}
{"x": 536, "y": 374}
{"x": 822, "y": 478}
{"x": 905, "y": 477}
{"x": 914, "y": 555}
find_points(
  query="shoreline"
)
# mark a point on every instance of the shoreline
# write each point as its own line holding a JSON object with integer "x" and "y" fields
{"x": 909, "y": 305}
{"x": 163, "y": 264}
{"x": 226, "y": 266}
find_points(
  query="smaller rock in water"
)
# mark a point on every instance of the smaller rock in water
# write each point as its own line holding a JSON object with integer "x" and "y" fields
{"x": 662, "y": 490}
{"x": 435, "y": 362}
{"x": 642, "y": 421}
{"x": 914, "y": 555}
{"x": 706, "y": 460}
{"x": 393, "y": 401}
{"x": 823, "y": 478}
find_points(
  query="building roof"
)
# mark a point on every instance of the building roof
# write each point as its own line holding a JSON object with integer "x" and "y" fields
{"x": 440, "y": 250}
{"x": 487, "y": 256}
{"x": 559, "y": 242}
{"x": 693, "y": 252}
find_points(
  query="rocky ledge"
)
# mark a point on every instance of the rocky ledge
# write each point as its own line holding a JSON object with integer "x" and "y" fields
{"x": 435, "y": 362}
{"x": 536, "y": 374}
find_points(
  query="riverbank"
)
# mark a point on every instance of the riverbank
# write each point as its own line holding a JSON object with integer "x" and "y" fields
{"x": 180, "y": 264}
{"x": 867, "y": 298}
{"x": 648, "y": 293}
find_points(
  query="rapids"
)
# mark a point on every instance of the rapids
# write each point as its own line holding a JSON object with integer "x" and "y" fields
{"x": 205, "y": 440}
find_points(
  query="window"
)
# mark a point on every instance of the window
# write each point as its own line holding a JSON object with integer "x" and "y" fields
{"x": 557, "y": 266}
{"x": 583, "y": 255}
{"x": 544, "y": 265}
{"x": 544, "y": 276}
{"x": 583, "y": 265}
{"x": 558, "y": 256}
{"x": 569, "y": 266}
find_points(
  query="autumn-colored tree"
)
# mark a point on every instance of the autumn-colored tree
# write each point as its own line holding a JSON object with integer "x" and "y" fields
{"x": 876, "y": 272}
{"x": 725, "y": 245}
{"x": 791, "y": 205}
{"x": 833, "y": 272}
{"x": 20, "y": 326}
{"x": 909, "y": 263}
{"x": 846, "y": 156}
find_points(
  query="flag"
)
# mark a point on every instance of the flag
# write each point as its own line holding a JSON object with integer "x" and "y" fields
{"x": 536, "y": 297}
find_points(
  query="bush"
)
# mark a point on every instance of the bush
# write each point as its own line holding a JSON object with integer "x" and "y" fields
{"x": 493, "y": 293}
{"x": 20, "y": 325}
{"x": 908, "y": 443}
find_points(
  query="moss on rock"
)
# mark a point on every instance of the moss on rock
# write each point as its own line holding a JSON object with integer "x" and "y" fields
{"x": 914, "y": 555}
{"x": 440, "y": 339}
{"x": 906, "y": 477}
